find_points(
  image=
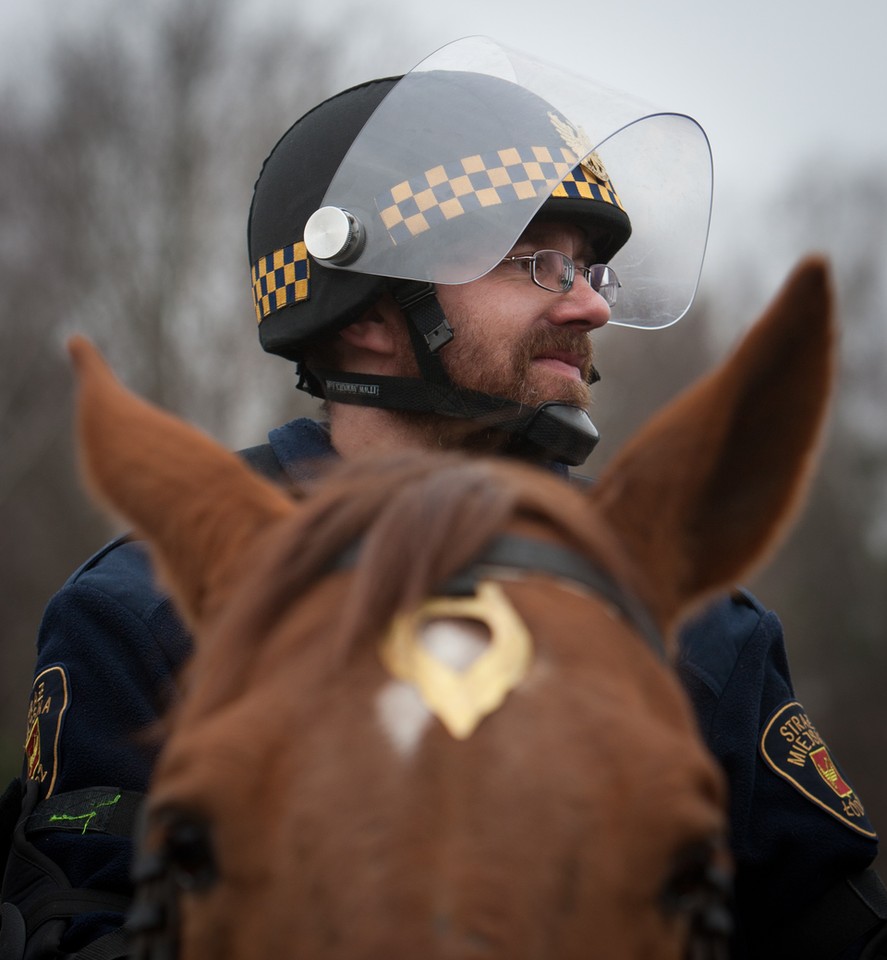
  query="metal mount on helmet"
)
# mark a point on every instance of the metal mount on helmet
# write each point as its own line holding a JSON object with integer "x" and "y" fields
{"x": 334, "y": 236}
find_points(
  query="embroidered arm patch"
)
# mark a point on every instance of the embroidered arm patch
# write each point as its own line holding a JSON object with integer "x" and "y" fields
{"x": 50, "y": 697}
{"x": 792, "y": 747}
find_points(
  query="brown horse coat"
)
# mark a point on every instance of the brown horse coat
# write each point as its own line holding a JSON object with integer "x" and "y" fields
{"x": 338, "y": 816}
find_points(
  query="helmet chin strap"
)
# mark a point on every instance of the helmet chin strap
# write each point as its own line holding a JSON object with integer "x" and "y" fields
{"x": 550, "y": 431}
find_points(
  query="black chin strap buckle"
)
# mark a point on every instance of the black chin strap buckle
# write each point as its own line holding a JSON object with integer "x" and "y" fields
{"x": 417, "y": 300}
{"x": 562, "y": 431}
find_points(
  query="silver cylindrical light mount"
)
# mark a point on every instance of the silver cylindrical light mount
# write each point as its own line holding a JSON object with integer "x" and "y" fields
{"x": 334, "y": 235}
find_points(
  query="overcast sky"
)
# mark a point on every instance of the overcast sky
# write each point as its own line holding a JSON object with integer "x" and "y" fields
{"x": 770, "y": 80}
{"x": 782, "y": 87}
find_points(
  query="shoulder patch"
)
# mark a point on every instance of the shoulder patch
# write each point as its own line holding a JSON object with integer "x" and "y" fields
{"x": 792, "y": 748}
{"x": 50, "y": 698}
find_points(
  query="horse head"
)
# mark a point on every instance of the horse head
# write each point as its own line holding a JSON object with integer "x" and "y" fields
{"x": 430, "y": 710}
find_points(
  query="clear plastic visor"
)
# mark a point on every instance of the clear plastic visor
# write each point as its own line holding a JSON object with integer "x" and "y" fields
{"x": 460, "y": 156}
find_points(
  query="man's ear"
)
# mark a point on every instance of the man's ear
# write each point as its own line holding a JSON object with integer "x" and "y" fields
{"x": 379, "y": 331}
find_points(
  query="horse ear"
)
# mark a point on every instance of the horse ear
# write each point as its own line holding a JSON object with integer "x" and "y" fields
{"x": 197, "y": 504}
{"x": 701, "y": 494}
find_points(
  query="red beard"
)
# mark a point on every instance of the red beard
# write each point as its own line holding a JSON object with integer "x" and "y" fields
{"x": 511, "y": 373}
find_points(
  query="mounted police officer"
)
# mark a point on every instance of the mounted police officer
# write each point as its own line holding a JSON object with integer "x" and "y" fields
{"x": 433, "y": 252}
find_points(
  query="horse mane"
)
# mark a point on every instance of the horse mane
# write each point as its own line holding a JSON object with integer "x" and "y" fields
{"x": 417, "y": 519}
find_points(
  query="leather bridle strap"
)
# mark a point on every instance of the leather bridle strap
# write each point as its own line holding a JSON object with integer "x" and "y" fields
{"x": 528, "y": 555}
{"x": 509, "y": 552}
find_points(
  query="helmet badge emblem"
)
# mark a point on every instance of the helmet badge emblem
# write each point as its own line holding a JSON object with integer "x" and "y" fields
{"x": 576, "y": 140}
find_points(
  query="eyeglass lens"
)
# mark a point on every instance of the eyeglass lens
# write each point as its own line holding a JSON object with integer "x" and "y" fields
{"x": 555, "y": 271}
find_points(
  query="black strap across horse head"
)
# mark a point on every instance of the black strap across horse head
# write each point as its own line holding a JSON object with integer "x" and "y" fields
{"x": 519, "y": 554}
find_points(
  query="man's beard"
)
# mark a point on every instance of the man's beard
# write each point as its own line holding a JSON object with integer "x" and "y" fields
{"x": 533, "y": 385}
{"x": 507, "y": 371}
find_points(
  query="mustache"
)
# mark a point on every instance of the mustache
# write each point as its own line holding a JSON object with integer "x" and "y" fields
{"x": 538, "y": 342}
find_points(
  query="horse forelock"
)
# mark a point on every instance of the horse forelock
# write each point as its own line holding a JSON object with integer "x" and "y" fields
{"x": 416, "y": 520}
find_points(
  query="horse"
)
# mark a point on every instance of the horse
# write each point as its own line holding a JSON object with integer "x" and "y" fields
{"x": 431, "y": 709}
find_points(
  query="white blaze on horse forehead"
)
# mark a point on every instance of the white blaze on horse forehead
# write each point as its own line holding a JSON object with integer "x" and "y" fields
{"x": 401, "y": 712}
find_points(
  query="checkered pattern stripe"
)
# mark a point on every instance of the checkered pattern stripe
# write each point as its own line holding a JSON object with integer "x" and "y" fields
{"x": 452, "y": 189}
{"x": 582, "y": 184}
{"x": 280, "y": 279}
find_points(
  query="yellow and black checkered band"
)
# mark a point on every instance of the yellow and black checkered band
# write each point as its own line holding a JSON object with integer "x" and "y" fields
{"x": 280, "y": 279}
{"x": 484, "y": 180}
{"x": 581, "y": 183}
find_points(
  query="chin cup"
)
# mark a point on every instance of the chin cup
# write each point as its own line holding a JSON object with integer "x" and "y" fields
{"x": 564, "y": 432}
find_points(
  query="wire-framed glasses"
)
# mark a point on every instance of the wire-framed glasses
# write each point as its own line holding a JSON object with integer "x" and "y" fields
{"x": 555, "y": 271}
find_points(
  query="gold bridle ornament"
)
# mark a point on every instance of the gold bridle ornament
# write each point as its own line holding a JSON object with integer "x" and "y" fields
{"x": 460, "y": 699}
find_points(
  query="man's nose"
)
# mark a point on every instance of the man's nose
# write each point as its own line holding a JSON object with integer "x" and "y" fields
{"x": 581, "y": 306}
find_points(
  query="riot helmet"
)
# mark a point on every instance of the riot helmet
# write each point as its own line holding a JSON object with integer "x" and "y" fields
{"x": 406, "y": 182}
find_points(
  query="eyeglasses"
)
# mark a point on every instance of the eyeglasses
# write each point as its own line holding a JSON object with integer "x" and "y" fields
{"x": 555, "y": 271}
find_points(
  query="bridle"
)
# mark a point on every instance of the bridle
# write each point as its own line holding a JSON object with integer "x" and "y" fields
{"x": 154, "y": 921}
{"x": 511, "y": 554}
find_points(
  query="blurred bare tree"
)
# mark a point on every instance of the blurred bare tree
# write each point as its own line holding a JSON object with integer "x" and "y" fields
{"x": 124, "y": 189}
